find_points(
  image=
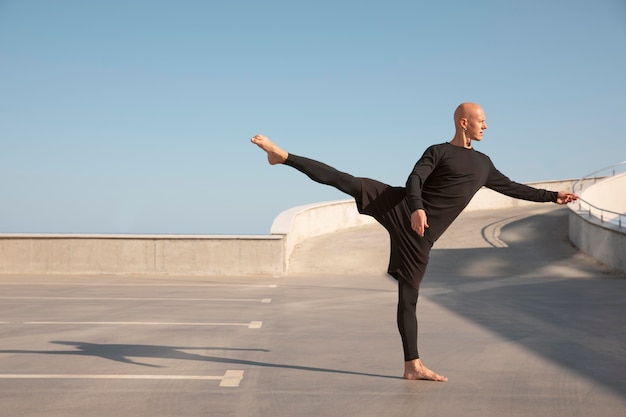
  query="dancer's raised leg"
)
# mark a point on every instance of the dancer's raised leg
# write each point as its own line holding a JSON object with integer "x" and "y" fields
{"x": 315, "y": 170}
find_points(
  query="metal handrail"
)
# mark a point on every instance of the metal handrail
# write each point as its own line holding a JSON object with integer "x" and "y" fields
{"x": 608, "y": 216}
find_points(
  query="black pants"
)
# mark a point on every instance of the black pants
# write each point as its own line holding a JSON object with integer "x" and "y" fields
{"x": 354, "y": 186}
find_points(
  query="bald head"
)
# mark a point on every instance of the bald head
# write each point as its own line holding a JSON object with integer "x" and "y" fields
{"x": 469, "y": 123}
{"x": 466, "y": 111}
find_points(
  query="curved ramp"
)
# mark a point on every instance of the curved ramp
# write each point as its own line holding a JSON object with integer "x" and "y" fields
{"x": 534, "y": 237}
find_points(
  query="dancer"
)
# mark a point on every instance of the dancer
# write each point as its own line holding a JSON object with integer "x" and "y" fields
{"x": 440, "y": 186}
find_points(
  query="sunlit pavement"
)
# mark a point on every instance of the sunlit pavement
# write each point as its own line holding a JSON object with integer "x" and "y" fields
{"x": 519, "y": 321}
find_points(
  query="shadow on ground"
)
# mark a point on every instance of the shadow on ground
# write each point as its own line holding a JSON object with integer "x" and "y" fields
{"x": 541, "y": 293}
{"x": 127, "y": 353}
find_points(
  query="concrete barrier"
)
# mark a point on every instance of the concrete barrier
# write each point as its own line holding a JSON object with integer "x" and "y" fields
{"x": 141, "y": 254}
{"x": 602, "y": 238}
{"x": 201, "y": 255}
{"x": 303, "y": 222}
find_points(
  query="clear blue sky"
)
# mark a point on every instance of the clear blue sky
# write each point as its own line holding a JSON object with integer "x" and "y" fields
{"x": 135, "y": 116}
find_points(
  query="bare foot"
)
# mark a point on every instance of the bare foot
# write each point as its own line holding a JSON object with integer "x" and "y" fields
{"x": 275, "y": 155}
{"x": 415, "y": 369}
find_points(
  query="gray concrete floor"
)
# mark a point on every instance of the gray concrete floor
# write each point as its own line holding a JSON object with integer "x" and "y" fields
{"x": 520, "y": 321}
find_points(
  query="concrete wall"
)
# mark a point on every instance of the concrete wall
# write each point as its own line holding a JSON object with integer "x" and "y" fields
{"x": 609, "y": 194}
{"x": 303, "y": 222}
{"x": 200, "y": 255}
{"x": 141, "y": 254}
{"x": 299, "y": 223}
{"x": 602, "y": 239}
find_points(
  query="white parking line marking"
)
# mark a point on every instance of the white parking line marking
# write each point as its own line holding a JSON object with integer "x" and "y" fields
{"x": 117, "y": 284}
{"x": 234, "y": 300}
{"x": 229, "y": 379}
{"x": 251, "y": 325}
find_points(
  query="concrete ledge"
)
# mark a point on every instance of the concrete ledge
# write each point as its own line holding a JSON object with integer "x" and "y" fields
{"x": 140, "y": 254}
{"x": 303, "y": 222}
{"x": 603, "y": 240}
{"x": 606, "y": 244}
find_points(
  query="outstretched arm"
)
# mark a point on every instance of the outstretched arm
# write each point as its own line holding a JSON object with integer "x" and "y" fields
{"x": 502, "y": 184}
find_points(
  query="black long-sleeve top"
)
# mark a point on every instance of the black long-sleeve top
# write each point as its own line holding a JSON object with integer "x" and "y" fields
{"x": 446, "y": 177}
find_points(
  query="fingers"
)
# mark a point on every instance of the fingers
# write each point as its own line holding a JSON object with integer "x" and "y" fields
{"x": 419, "y": 230}
{"x": 566, "y": 197}
{"x": 419, "y": 223}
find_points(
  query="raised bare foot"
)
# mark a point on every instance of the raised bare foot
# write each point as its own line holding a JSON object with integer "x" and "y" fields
{"x": 275, "y": 155}
{"x": 415, "y": 369}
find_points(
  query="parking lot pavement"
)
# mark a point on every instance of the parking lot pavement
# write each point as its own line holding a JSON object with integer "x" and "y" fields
{"x": 520, "y": 322}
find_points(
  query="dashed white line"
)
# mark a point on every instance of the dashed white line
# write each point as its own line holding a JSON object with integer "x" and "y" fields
{"x": 251, "y": 325}
{"x": 234, "y": 300}
{"x": 230, "y": 379}
{"x": 121, "y": 284}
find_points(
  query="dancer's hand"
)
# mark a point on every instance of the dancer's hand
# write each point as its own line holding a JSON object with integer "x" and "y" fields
{"x": 419, "y": 222}
{"x": 564, "y": 197}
